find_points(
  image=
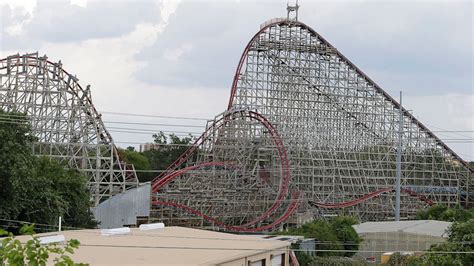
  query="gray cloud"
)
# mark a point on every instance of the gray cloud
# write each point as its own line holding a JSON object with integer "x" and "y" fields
{"x": 427, "y": 44}
{"x": 217, "y": 32}
{"x": 423, "y": 47}
{"x": 59, "y": 21}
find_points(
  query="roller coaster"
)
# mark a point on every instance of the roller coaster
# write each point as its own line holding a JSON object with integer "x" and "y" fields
{"x": 64, "y": 121}
{"x": 306, "y": 135}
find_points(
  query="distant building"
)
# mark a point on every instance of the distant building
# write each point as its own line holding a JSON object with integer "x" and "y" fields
{"x": 402, "y": 236}
{"x": 149, "y": 146}
{"x": 175, "y": 246}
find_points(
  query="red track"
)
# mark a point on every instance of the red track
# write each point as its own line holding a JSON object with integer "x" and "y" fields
{"x": 171, "y": 173}
{"x": 291, "y": 208}
{"x": 367, "y": 197}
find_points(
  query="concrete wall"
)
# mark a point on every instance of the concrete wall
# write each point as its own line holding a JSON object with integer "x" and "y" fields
{"x": 123, "y": 209}
{"x": 267, "y": 256}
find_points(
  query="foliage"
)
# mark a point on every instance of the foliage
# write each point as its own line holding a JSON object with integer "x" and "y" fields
{"x": 336, "y": 261}
{"x": 459, "y": 248}
{"x": 13, "y": 252}
{"x": 71, "y": 187}
{"x": 139, "y": 161}
{"x": 171, "y": 147}
{"x": 323, "y": 234}
{"x": 460, "y": 239}
{"x": 443, "y": 213}
{"x": 337, "y": 234}
{"x": 15, "y": 163}
{"x": 37, "y": 189}
{"x": 302, "y": 257}
{"x": 345, "y": 233}
{"x": 397, "y": 259}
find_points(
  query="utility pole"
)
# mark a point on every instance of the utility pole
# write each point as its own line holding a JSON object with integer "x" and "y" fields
{"x": 399, "y": 162}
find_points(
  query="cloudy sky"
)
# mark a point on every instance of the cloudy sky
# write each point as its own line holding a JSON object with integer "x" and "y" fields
{"x": 170, "y": 58}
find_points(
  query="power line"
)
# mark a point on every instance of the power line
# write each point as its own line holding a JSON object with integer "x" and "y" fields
{"x": 155, "y": 116}
{"x": 151, "y": 124}
{"x": 145, "y": 130}
{"x": 186, "y": 133}
{"x": 447, "y": 130}
{"x": 440, "y": 129}
{"x": 148, "y": 131}
{"x": 104, "y": 121}
{"x": 47, "y": 118}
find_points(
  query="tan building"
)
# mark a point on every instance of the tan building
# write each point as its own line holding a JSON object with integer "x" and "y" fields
{"x": 402, "y": 236}
{"x": 175, "y": 246}
{"x": 149, "y": 146}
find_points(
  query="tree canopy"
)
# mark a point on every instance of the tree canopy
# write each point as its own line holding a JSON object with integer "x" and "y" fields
{"x": 37, "y": 189}
{"x": 150, "y": 163}
{"x": 444, "y": 213}
{"x": 335, "y": 234}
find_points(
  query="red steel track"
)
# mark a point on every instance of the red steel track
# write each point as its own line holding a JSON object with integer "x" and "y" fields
{"x": 289, "y": 211}
{"x": 367, "y": 197}
{"x": 171, "y": 173}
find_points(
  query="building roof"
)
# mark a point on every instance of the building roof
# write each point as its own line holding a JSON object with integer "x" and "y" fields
{"x": 422, "y": 227}
{"x": 170, "y": 245}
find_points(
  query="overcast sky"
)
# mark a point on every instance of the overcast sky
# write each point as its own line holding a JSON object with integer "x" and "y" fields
{"x": 174, "y": 58}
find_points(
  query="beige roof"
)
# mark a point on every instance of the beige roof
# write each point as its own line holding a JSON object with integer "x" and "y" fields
{"x": 168, "y": 246}
{"x": 422, "y": 227}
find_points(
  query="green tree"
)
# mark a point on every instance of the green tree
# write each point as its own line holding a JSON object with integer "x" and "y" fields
{"x": 346, "y": 234}
{"x": 15, "y": 162}
{"x": 398, "y": 259}
{"x": 71, "y": 187}
{"x": 337, "y": 234}
{"x": 37, "y": 189}
{"x": 443, "y": 213}
{"x": 458, "y": 250}
{"x": 139, "y": 161}
{"x": 170, "y": 149}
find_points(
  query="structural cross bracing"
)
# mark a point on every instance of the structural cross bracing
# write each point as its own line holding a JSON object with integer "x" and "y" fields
{"x": 64, "y": 121}
{"x": 305, "y": 125}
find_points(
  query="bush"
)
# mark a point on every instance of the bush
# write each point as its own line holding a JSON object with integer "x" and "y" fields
{"x": 13, "y": 252}
{"x": 337, "y": 234}
{"x": 443, "y": 213}
{"x": 346, "y": 234}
